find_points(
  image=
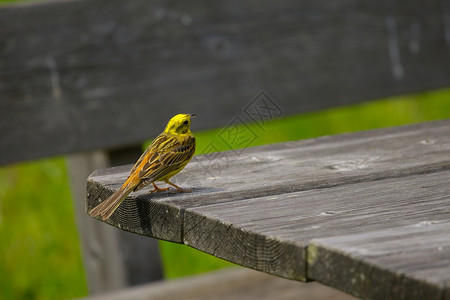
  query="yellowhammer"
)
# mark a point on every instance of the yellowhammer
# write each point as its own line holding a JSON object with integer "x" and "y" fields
{"x": 167, "y": 155}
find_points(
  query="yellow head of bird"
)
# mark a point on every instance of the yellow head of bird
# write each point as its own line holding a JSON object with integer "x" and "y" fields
{"x": 179, "y": 124}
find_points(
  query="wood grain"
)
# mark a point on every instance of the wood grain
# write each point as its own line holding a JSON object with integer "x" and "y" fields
{"x": 272, "y": 233}
{"x": 95, "y": 74}
{"x": 269, "y": 202}
{"x": 410, "y": 262}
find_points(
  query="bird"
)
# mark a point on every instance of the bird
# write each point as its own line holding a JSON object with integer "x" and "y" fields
{"x": 167, "y": 155}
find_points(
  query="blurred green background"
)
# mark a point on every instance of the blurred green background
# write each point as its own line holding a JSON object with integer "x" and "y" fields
{"x": 37, "y": 228}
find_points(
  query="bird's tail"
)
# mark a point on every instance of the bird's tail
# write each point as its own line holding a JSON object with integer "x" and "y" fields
{"x": 107, "y": 207}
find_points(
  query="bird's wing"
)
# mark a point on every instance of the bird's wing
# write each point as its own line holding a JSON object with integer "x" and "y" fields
{"x": 166, "y": 155}
{"x": 151, "y": 152}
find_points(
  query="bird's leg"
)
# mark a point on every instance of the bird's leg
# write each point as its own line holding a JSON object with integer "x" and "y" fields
{"x": 157, "y": 189}
{"x": 179, "y": 189}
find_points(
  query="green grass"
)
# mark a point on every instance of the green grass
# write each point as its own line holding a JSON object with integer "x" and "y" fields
{"x": 39, "y": 248}
{"x": 370, "y": 115}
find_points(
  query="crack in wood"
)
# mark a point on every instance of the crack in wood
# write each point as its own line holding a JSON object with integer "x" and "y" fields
{"x": 191, "y": 228}
{"x": 219, "y": 243}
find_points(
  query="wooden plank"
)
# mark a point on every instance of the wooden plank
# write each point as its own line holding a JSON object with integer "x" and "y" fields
{"x": 228, "y": 284}
{"x": 94, "y": 74}
{"x": 272, "y": 233}
{"x": 268, "y": 202}
{"x": 411, "y": 262}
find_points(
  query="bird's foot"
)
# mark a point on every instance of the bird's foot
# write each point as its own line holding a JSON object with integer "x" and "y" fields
{"x": 179, "y": 189}
{"x": 157, "y": 189}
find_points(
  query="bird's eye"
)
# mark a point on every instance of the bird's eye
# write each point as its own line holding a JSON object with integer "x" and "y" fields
{"x": 185, "y": 122}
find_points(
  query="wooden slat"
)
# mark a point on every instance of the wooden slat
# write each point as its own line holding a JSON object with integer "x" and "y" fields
{"x": 94, "y": 74}
{"x": 271, "y": 233}
{"x": 229, "y": 284}
{"x": 268, "y": 202}
{"x": 411, "y": 262}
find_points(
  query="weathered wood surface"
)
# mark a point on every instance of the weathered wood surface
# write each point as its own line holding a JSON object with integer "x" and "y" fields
{"x": 410, "y": 262}
{"x": 89, "y": 74}
{"x": 228, "y": 284}
{"x": 261, "y": 207}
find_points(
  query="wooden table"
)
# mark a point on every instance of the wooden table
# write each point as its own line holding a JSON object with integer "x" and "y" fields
{"x": 367, "y": 212}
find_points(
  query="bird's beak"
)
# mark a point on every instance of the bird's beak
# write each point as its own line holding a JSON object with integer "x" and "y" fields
{"x": 192, "y": 116}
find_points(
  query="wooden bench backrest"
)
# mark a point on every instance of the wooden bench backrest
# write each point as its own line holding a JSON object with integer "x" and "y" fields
{"x": 98, "y": 74}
